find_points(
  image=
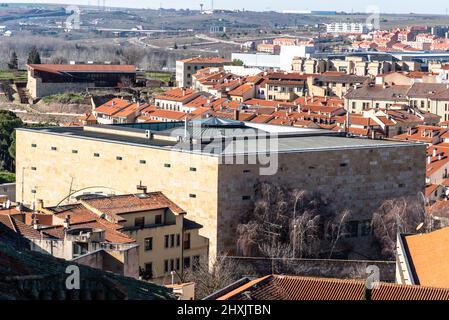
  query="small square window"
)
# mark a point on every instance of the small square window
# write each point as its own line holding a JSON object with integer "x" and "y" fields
{"x": 192, "y": 169}
{"x": 119, "y": 158}
{"x": 33, "y": 191}
{"x": 96, "y": 155}
{"x": 158, "y": 219}
{"x": 54, "y": 148}
{"x": 75, "y": 151}
{"x": 192, "y": 195}
{"x": 167, "y": 165}
{"x": 33, "y": 145}
{"x": 33, "y": 168}
{"x": 142, "y": 162}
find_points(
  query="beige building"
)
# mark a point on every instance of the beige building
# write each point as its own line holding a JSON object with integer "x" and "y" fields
{"x": 212, "y": 175}
{"x": 146, "y": 232}
{"x": 188, "y": 67}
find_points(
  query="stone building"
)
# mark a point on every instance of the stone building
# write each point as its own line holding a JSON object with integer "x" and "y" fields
{"x": 210, "y": 167}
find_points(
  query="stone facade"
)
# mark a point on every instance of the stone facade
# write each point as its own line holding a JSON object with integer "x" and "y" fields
{"x": 213, "y": 194}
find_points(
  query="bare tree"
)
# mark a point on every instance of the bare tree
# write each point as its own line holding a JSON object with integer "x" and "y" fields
{"x": 290, "y": 223}
{"x": 401, "y": 215}
{"x": 210, "y": 277}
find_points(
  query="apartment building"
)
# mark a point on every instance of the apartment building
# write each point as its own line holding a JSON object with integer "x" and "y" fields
{"x": 192, "y": 165}
{"x": 334, "y": 84}
{"x": 175, "y": 99}
{"x": 346, "y": 27}
{"x": 118, "y": 111}
{"x": 187, "y": 67}
{"x": 284, "y": 86}
{"x": 426, "y": 97}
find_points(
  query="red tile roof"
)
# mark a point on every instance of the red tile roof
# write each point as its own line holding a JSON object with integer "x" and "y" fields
{"x": 178, "y": 95}
{"x": 72, "y": 68}
{"x": 123, "y": 204}
{"x": 429, "y": 255}
{"x": 205, "y": 60}
{"x": 241, "y": 90}
{"x": 277, "y": 287}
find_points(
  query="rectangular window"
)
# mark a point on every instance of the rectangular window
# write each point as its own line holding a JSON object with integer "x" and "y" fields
{"x": 149, "y": 244}
{"x": 196, "y": 261}
{"x": 166, "y": 240}
{"x": 166, "y": 265}
{"x": 192, "y": 195}
{"x": 119, "y": 158}
{"x": 54, "y": 148}
{"x": 167, "y": 165}
{"x": 186, "y": 262}
{"x": 192, "y": 169}
{"x": 142, "y": 162}
{"x": 33, "y": 145}
{"x": 186, "y": 241}
{"x": 172, "y": 240}
{"x": 96, "y": 155}
{"x": 75, "y": 151}
{"x": 149, "y": 270}
{"x": 139, "y": 222}
{"x": 178, "y": 240}
{"x": 246, "y": 197}
{"x": 172, "y": 265}
{"x": 178, "y": 263}
{"x": 158, "y": 219}
{"x": 33, "y": 168}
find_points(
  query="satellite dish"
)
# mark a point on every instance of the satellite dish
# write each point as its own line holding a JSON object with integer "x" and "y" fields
{"x": 419, "y": 226}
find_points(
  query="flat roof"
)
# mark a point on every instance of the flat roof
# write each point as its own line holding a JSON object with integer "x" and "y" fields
{"x": 223, "y": 141}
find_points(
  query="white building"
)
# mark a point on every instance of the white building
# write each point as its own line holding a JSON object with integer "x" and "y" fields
{"x": 345, "y": 27}
{"x": 283, "y": 61}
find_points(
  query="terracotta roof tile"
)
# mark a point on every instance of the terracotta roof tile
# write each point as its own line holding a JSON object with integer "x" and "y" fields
{"x": 277, "y": 287}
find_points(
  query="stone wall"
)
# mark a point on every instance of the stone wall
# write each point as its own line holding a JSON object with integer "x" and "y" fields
{"x": 341, "y": 269}
{"x": 356, "y": 179}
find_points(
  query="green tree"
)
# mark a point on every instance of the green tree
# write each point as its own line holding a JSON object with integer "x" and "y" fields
{"x": 13, "y": 62}
{"x": 34, "y": 56}
{"x": 8, "y": 123}
{"x": 237, "y": 62}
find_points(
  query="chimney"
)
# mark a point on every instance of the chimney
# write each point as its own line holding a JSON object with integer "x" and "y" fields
{"x": 440, "y": 157}
{"x": 34, "y": 222}
{"x": 67, "y": 222}
{"x": 39, "y": 204}
{"x": 183, "y": 91}
{"x": 236, "y": 114}
{"x": 429, "y": 159}
{"x": 434, "y": 153}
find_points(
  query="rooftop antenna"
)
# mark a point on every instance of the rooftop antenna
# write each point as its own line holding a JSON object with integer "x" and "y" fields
{"x": 212, "y": 6}
{"x": 201, "y": 6}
